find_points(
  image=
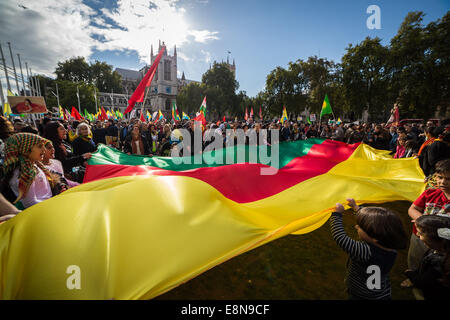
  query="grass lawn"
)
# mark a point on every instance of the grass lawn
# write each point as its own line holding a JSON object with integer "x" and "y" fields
{"x": 309, "y": 267}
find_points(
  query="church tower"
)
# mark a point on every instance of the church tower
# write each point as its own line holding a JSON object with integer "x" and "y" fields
{"x": 164, "y": 86}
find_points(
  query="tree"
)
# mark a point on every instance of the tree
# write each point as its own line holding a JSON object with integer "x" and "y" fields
{"x": 420, "y": 63}
{"x": 98, "y": 73}
{"x": 365, "y": 77}
{"x": 190, "y": 98}
{"x": 68, "y": 96}
{"x": 104, "y": 78}
{"x": 74, "y": 69}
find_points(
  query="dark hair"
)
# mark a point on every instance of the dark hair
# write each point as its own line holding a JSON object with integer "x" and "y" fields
{"x": 383, "y": 225}
{"x": 51, "y": 132}
{"x": 6, "y": 128}
{"x": 29, "y": 129}
{"x": 429, "y": 224}
{"x": 443, "y": 166}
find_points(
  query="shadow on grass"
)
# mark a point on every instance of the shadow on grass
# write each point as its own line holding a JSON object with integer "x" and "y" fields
{"x": 306, "y": 267}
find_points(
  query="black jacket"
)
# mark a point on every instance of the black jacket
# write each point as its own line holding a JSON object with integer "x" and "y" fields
{"x": 81, "y": 146}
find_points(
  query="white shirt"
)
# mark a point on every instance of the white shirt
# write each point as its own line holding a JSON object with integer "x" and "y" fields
{"x": 39, "y": 190}
{"x": 56, "y": 166}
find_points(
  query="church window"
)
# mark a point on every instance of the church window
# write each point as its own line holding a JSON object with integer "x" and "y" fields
{"x": 167, "y": 70}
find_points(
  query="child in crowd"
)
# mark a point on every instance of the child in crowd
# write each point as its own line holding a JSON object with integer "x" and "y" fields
{"x": 27, "y": 178}
{"x": 55, "y": 166}
{"x": 382, "y": 233}
{"x": 431, "y": 201}
{"x": 433, "y": 274}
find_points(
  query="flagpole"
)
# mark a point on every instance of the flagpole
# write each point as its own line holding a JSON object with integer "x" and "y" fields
{"x": 78, "y": 96}
{"x": 57, "y": 94}
{"x": 95, "y": 97}
{"x": 23, "y": 79}
{"x": 14, "y": 68}
{"x": 6, "y": 70}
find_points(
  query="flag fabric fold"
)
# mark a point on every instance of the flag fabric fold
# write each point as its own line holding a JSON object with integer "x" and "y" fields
{"x": 199, "y": 216}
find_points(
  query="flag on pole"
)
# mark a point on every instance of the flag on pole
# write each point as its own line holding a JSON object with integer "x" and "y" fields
{"x": 138, "y": 94}
{"x": 160, "y": 115}
{"x": 246, "y": 114}
{"x": 200, "y": 118}
{"x": 68, "y": 116}
{"x": 7, "y": 110}
{"x": 61, "y": 112}
{"x": 326, "y": 107}
{"x": 203, "y": 106}
{"x": 76, "y": 114}
{"x": 103, "y": 115}
{"x": 142, "y": 118}
{"x": 175, "y": 115}
{"x": 185, "y": 116}
{"x": 251, "y": 113}
{"x": 224, "y": 119}
{"x": 284, "y": 116}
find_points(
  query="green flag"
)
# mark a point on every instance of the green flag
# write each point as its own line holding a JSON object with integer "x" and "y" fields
{"x": 326, "y": 107}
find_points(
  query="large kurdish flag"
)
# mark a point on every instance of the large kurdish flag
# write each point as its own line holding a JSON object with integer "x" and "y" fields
{"x": 144, "y": 225}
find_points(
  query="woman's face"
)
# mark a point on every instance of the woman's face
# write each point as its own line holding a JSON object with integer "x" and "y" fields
{"x": 135, "y": 130}
{"x": 37, "y": 152}
{"x": 49, "y": 152}
{"x": 84, "y": 131}
{"x": 62, "y": 133}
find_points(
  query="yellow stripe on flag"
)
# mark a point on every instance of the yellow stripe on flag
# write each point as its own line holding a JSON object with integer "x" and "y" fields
{"x": 189, "y": 228}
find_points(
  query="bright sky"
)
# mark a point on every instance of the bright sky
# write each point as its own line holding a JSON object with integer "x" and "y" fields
{"x": 260, "y": 34}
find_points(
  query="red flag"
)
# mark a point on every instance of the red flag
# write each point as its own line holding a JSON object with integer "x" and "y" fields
{"x": 201, "y": 118}
{"x": 246, "y": 114}
{"x": 251, "y": 113}
{"x": 138, "y": 94}
{"x": 103, "y": 115}
{"x": 142, "y": 116}
{"x": 75, "y": 114}
{"x": 224, "y": 119}
{"x": 65, "y": 115}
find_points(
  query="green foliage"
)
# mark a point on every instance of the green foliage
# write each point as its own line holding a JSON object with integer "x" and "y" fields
{"x": 365, "y": 77}
{"x": 413, "y": 71}
{"x": 99, "y": 73}
{"x": 190, "y": 98}
{"x": 219, "y": 87}
{"x": 68, "y": 95}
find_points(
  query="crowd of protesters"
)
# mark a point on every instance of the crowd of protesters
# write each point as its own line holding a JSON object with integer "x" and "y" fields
{"x": 43, "y": 159}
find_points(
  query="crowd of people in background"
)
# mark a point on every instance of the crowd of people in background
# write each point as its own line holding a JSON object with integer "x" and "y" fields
{"x": 72, "y": 142}
{"x": 41, "y": 160}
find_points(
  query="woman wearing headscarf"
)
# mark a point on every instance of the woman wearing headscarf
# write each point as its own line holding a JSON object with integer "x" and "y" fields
{"x": 56, "y": 133}
{"x": 27, "y": 178}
